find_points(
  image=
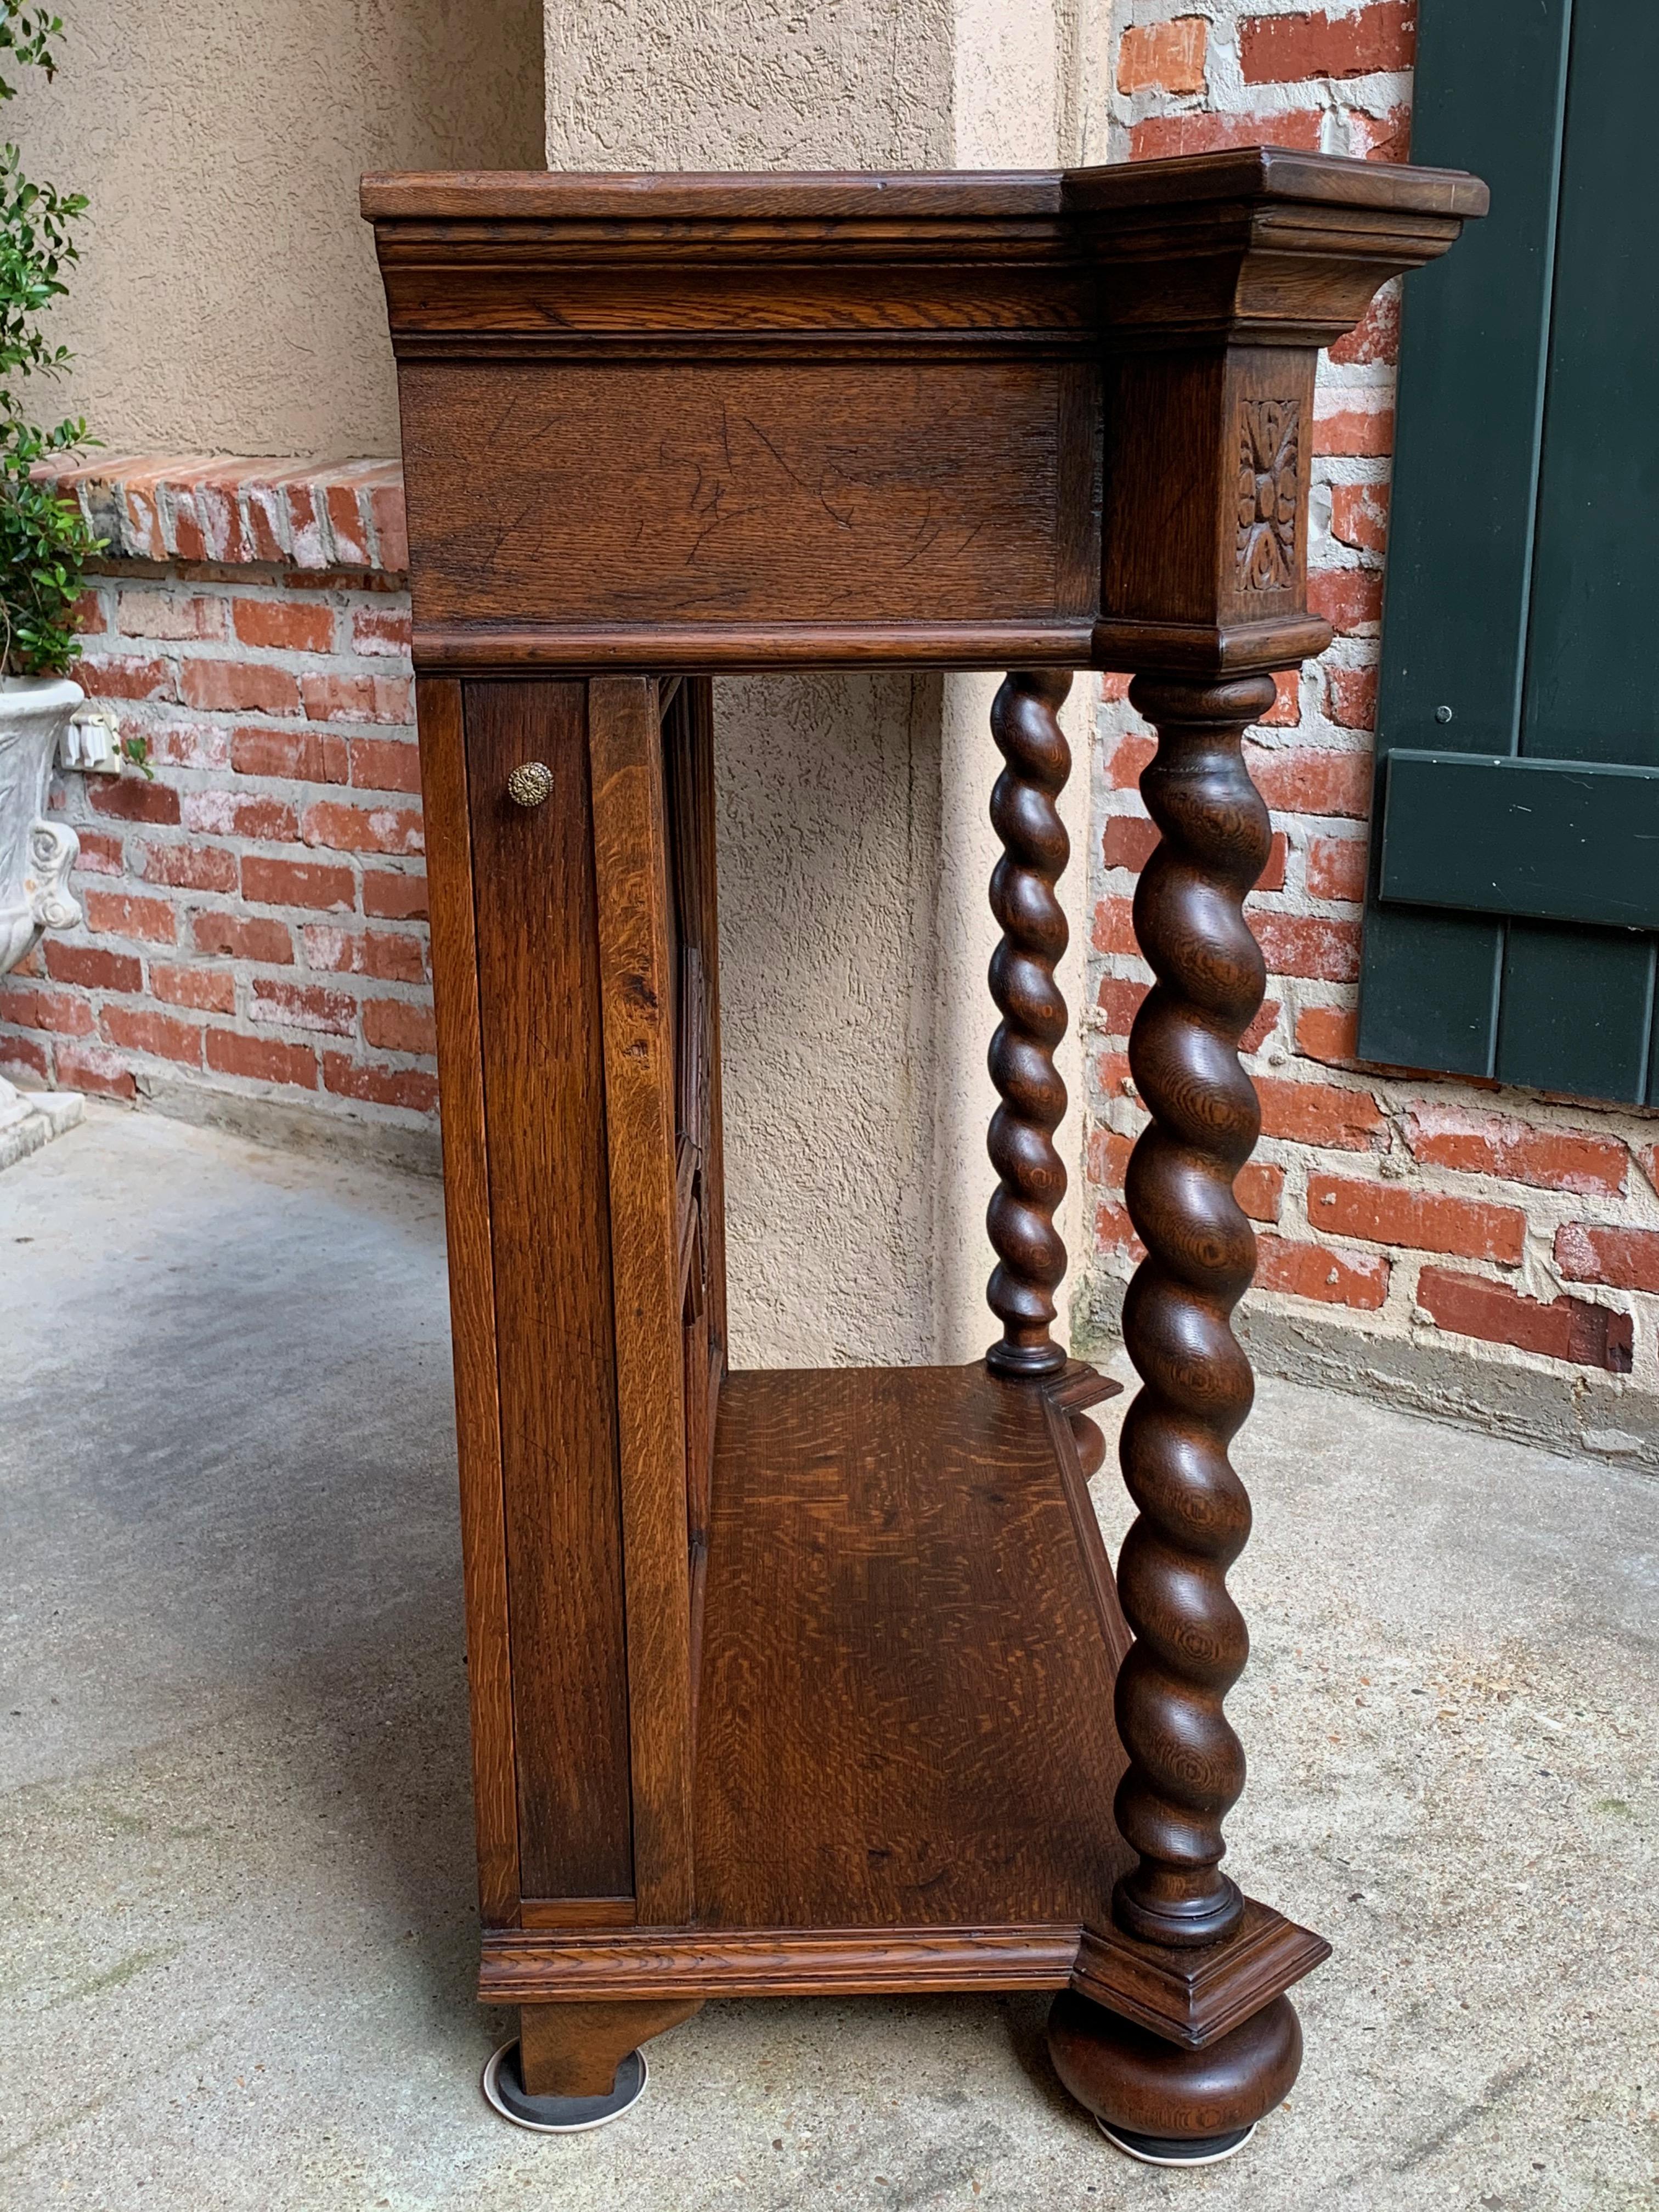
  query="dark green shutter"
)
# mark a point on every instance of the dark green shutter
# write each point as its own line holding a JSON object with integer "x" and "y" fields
{"x": 1513, "y": 913}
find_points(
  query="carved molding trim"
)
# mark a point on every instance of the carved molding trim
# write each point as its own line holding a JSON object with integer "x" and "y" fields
{"x": 523, "y": 1966}
{"x": 1192, "y": 1998}
{"x": 1269, "y": 493}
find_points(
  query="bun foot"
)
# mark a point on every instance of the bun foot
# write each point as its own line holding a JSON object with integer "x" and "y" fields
{"x": 1165, "y": 2104}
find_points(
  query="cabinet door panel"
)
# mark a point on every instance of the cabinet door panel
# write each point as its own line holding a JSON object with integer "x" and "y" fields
{"x": 545, "y": 1119}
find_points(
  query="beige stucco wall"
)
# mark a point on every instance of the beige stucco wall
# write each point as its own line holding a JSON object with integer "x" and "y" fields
{"x": 227, "y": 300}
{"x": 749, "y": 84}
{"x": 227, "y": 297}
{"x": 854, "y": 847}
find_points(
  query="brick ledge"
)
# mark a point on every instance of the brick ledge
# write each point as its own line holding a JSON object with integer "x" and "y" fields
{"x": 1464, "y": 1381}
{"x": 311, "y": 515}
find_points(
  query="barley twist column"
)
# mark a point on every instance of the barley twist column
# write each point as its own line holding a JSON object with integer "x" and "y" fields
{"x": 1030, "y": 1257}
{"x": 1186, "y": 1765}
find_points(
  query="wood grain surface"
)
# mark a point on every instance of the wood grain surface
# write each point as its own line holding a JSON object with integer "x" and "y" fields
{"x": 699, "y": 421}
{"x": 637, "y": 986}
{"x": 698, "y": 494}
{"x": 905, "y": 1706}
{"x": 656, "y": 425}
{"x": 577, "y": 1912}
{"x": 471, "y": 1294}
{"x": 573, "y": 2049}
{"x": 1195, "y": 1997}
{"x": 688, "y": 772}
{"x": 544, "y": 1090}
{"x": 524, "y": 1964}
{"x": 1244, "y": 174}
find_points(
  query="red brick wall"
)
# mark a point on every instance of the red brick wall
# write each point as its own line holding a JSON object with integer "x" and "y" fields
{"x": 1443, "y": 1213}
{"x": 255, "y": 908}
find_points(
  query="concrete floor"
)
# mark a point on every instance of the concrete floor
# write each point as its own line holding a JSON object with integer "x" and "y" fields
{"x": 235, "y": 1870}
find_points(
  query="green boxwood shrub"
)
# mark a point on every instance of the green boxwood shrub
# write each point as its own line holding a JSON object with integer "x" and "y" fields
{"x": 44, "y": 540}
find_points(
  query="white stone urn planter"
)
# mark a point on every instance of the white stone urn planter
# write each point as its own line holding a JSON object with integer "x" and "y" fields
{"x": 36, "y": 856}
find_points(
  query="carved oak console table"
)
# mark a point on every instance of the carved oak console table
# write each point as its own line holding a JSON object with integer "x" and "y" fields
{"x": 795, "y": 1682}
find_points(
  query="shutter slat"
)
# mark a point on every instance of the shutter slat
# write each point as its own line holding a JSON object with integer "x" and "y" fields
{"x": 1518, "y": 737}
{"x": 1490, "y": 88}
{"x": 1575, "y": 1010}
{"x": 1592, "y": 680}
{"x": 1559, "y": 841}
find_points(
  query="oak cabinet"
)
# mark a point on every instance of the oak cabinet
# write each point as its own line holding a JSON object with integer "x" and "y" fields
{"x": 794, "y": 1682}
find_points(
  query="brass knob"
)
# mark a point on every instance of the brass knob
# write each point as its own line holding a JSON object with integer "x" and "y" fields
{"x": 529, "y": 783}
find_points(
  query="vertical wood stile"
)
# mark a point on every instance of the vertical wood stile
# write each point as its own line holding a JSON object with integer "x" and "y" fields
{"x": 535, "y": 907}
{"x": 471, "y": 1292}
{"x": 637, "y": 993}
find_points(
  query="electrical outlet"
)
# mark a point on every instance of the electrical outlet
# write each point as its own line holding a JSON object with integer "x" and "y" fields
{"x": 92, "y": 741}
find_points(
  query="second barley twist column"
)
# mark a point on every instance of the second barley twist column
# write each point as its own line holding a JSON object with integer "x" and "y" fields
{"x": 1186, "y": 1765}
{"x": 1030, "y": 1257}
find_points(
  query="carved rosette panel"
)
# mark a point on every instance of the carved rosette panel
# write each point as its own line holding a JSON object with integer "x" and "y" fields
{"x": 1269, "y": 493}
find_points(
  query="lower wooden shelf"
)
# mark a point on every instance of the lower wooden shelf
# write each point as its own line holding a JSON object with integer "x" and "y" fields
{"x": 906, "y": 1754}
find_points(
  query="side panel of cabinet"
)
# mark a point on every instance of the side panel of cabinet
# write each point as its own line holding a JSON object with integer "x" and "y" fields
{"x": 471, "y": 1294}
{"x": 688, "y": 762}
{"x": 541, "y": 1053}
{"x": 637, "y": 997}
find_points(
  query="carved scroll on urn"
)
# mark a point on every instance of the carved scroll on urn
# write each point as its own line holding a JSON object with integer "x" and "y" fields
{"x": 36, "y": 855}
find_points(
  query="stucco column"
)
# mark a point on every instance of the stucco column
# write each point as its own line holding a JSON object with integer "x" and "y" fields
{"x": 1014, "y": 92}
{"x": 856, "y": 849}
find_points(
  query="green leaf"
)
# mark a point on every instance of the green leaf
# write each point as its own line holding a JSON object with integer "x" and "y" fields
{"x": 46, "y": 541}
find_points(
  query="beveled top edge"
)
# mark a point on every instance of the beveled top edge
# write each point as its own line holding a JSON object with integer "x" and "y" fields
{"x": 1278, "y": 173}
{"x": 1244, "y": 173}
{"x": 723, "y": 196}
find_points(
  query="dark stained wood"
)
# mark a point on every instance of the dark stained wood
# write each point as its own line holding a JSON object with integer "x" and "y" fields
{"x": 471, "y": 1294}
{"x": 493, "y": 196}
{"x": 1243, "y": 176}
{"x": 578, "y": 1912}
{"x": 688, "y": 772}
{"x": 818, "y": 1680}
{"x": 521, "y": 1965}
{"x": 696, "y": 792}
{"x": 1186, "y": 1764}
{"x": 544, "y": 1092}
{"x": 1031, "y": 1174}
{"x": 1136, "y": 2080}
{"x": 905, "y": 1710}
{"x": 513, "y": 648}
{"x": 637, "y": 986}
{"x": 840, "y": 419}
{"x": 1080, "y": 1452}
{"x": 1192, "y": 1997}
{"x": 698, "y": 494}
{"x": 575, "y": 2050}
